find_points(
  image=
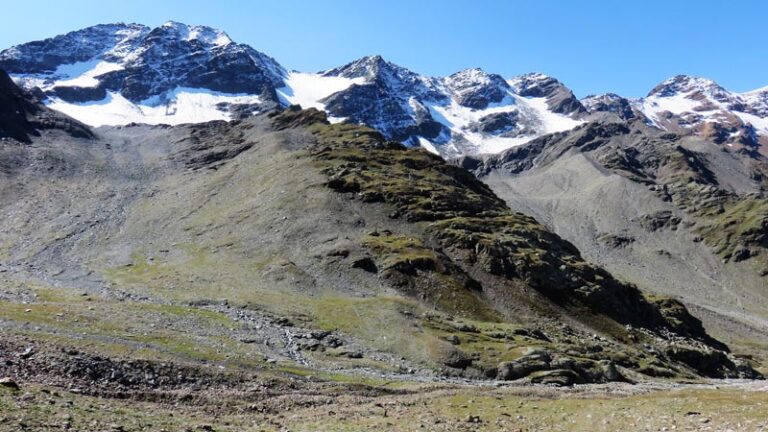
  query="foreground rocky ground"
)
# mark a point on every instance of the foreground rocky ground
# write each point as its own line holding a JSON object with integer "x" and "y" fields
{"x": 313, "y": 405}
{"x": 74, "y": 361}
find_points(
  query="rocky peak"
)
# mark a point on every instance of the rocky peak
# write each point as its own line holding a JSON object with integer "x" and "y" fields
{"x": 560, "y": 98}
{"x": 476, "y": 88}
{"x": 204, "y": 34}
{"x": 22, "y": 116}
{"x": 391, "y": 77}
{"x": 368, "y": 67}
{"x": 699, "y": 106}
{"x": 692, "y": 87}
{"x": 103, "y": 41}
{"x": 173, "y": 39}
{"x": 142, "y": 63}
{"x": 535, "y": 84}
{"x": 610, "y": 102}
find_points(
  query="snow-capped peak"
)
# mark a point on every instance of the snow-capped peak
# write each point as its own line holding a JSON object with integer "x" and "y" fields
{"x": 368, "y": 67}
{"x": 121, "y": 73}
{"x": 532, "y": 83}
{"x": 141, "y": 63}
{"x": 612, "y": 103}
{"x": 476, "y": 88}
{"x": 699, "y": 106}
{"x": 108, "y": 42}
{"x": 477, "y": 75}
{"x": 691, "y": 86}
{"x": 605, "y": 97}
{"x": 560, "y": 99}
{"x": 387, "y": 75}
{"x": 374, "y": 68}
{"x": 468, "y": 112}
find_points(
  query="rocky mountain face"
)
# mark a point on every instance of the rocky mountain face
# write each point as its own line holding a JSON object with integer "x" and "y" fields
{"x": 611, "y": 103}
{"x": 140, "y": 63}
{"x": 476, "y": 89}
{"x": 399, "y": 110}
{"x": 696, "y": 106}
{"x": 22, "y": 117}
{"x": 702, "y": 107}
{"x": 471, "y": 111}
{"x": 559, "y": 98}
{"x": 112, "y": 42}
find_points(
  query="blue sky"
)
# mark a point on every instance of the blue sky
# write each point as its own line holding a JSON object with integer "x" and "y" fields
{"x": 592, "y": 46}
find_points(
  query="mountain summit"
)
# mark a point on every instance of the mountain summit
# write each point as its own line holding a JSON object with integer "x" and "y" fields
{"x": 121, "y": 73}
{"x": 139, "y": 63}
{"x": 699, "y": 106}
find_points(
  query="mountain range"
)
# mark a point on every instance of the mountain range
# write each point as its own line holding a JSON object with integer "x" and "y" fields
{"x": 116, "y": 74}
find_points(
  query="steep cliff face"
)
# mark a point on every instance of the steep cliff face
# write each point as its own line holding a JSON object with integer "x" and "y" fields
{"x": 21, "y": 117}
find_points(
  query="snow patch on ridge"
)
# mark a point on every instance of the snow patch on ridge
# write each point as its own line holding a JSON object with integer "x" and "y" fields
{"x": 426, "y": 144}
{"x": 653, "y": 106}
{"x": 80, "y": 74}
{"x": 182, "y": 105}
{"x": 204, "y": 34}
{"x": 551, "y": 121}
{"x": 84, "y": 74}
{"x": 308, "y": 89}
{"x": 459, "y": 118}
{"x": 760, "y": 124}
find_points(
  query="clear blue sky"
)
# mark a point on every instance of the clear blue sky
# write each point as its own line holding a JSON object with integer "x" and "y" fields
{"x": 621, "y": 46}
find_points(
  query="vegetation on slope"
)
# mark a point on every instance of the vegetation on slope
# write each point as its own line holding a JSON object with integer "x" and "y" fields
{"x": 735, "y": 227}
{"x": 476, "y": 245}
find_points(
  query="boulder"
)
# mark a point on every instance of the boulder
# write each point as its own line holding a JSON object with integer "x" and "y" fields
{"x": 536, "y": 360}
{"x": 557, "y": 377}
{"x": 9, "y": 383}
{"x": 453, "y": 357}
